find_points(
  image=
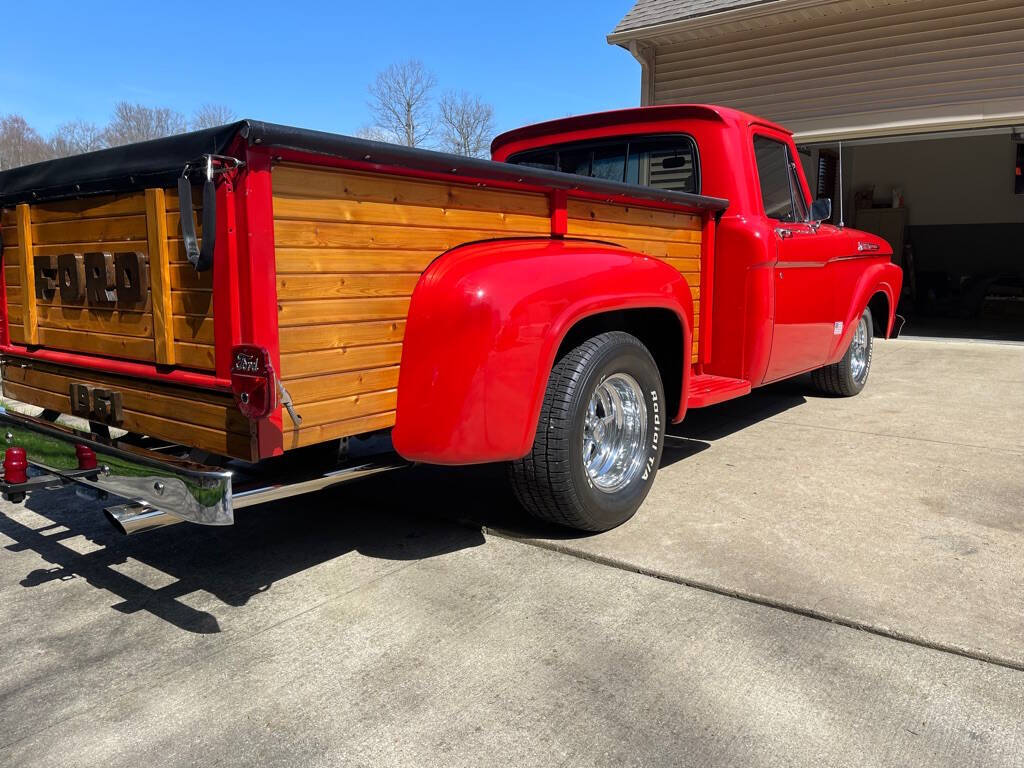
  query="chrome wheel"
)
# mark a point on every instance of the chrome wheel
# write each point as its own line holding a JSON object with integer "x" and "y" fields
{"x": 615, "y": 433}
{"x": 859, "y": 351}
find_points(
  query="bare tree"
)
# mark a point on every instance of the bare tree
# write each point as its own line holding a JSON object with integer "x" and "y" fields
{"x": 400, "y": 100}
{"x": 212, "y": 115}
{"x": 467, "y": 124}
{"x": 373, "y": 133}
{"x": 20, "y": 143}
{"x": 135, "y": 122}
{"x": 75, "y": 137}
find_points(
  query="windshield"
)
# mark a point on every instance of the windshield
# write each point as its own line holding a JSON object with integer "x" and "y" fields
{"x": 661, "y": 162}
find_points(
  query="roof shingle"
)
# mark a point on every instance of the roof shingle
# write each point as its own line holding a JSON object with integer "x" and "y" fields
{"x": 647, "y": 13}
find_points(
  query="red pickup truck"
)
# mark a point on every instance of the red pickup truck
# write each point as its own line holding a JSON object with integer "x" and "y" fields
{"x": 235, "y": 314}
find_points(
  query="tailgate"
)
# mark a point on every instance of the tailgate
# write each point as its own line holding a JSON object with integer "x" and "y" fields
{"x": 107, "y": 276}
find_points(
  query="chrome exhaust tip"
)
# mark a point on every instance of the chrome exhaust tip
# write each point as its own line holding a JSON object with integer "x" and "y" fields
{"x": 136, "y": 518}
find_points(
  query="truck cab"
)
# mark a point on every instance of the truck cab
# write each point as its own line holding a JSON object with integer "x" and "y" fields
{"x": 787, "y": 286}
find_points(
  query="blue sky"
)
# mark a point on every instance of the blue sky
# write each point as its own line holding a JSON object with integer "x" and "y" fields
{"x": 309, "y": 63}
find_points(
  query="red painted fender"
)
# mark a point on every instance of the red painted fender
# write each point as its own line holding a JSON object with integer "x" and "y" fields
{"x": 484, "y": 326}
{"x": 884, "y": 277}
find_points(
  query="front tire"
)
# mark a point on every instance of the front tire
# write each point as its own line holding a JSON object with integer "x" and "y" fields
{"x": 599, "y": 438}
{"x": 848, "y": 377}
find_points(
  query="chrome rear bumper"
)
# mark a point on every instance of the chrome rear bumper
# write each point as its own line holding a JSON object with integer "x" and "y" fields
{"x": 160, "y": 489}
{"x": 189, "y": 491}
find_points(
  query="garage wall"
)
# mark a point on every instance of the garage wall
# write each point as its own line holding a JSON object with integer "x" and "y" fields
{"x": 853, "y": 67}
{"x": 945, "y": 181}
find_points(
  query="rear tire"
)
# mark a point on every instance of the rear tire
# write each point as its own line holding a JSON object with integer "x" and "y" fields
{"x": 599, "y": 437}
{"x": 848, "y": 377}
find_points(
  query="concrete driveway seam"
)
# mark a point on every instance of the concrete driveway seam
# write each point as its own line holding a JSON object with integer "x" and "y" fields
{"x": 749, "y": 597}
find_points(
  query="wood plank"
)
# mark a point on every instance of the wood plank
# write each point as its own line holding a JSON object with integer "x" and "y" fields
{"x": 345, "y": 260}
{"x": 614, "y": 230}
{"x": 199, "y": 356}
{"x": 304, "y": 181}
{"x": 341, "y": 311}
{"x": 689, "y": 266}
{"x": 389, "y": 214}
{"x": 306, "y": 234}
{"x": 306, "y": 338}
{"x": 185, "y": 406}
{"x": 56, "y": 302}
{"x": 328, "y": 286}
{"x": 326, "y": 411}
{"x": 160, "y": 276}
{"x": 139, "y": 324}
{"x": 185, "y": 278}
{"x": 55, "y": 249}
{"x": 335, "y": 429}
{"x": 89, "y": 208}
{"x": 8, "y": 217}
{"x": 197, "y": 330}
{"x": 112, "y": 231}
{"x": 92, "y": 342}
{"x": 213, "y": 440}
{"x": 624, "y": 214}
{"x": 314, "y": 389}
{"x": 197, "y": 303}
{"x": 314, "y": 363}
{"x": 29, "y": 316}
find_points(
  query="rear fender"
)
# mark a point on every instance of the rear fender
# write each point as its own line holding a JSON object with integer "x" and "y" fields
{"x": 885, "y": 278}
{"x": 484, "y": 326}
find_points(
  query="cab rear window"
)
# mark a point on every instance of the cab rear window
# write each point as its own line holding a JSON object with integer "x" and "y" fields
{"x": 661, "y": 162}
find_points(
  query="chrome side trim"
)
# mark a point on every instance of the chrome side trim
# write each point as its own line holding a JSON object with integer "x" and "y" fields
{"x": 260, "y": 494}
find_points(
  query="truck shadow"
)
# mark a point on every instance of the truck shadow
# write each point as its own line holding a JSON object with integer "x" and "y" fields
{"x": 482, "y": 496}
{"x": 266, "y": 545}
{"x": 412, "y": 515}
{"x": 718, "y": 421}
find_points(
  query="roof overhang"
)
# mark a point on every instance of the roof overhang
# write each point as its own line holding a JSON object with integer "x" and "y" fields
{"x": 748, "y": 17}
{"x": 903, "y": 128}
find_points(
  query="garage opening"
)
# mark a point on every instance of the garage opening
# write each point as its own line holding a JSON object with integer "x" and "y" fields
{"x": 952, "y": 206}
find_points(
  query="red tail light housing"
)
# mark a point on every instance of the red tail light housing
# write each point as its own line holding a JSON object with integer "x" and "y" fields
{"x": 253, "y": 381}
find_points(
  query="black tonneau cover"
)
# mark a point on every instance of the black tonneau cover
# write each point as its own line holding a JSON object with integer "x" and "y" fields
{"x": 158, "y": 163}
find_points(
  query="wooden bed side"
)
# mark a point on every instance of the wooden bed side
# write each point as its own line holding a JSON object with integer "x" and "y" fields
{"x": 202, "y": 419}
{"x": 350, "y": 248}
{"x": 177, "y": 330}
{"x": 675, "y": 238}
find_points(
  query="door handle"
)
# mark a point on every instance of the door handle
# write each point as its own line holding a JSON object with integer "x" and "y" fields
{"x": 783, "y": 232}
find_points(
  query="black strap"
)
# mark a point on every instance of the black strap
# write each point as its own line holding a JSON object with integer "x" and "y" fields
{"x": 200, "y": 258}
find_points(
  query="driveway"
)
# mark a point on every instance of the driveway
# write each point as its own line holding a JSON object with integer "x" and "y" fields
{"x": 416, "y": 620}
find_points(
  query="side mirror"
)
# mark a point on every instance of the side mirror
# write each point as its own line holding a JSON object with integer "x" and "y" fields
{"x": 821, "y": 209}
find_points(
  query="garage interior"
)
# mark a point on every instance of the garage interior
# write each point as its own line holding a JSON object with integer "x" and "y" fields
{"x": 952, "y": 205}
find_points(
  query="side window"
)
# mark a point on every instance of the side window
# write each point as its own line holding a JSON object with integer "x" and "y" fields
{"x": 668, "y": 164}
{"x": 546, "y": 159}
{"x": 778, "y": 181}
{"x": 662, "y": 162}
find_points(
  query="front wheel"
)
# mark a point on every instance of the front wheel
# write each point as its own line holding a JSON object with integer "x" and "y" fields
{"x": 848, "y": 377}
{"x": 599, "y": 438}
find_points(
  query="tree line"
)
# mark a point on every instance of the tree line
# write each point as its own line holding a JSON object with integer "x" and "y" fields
{"x": 21, "y": 144}
{"x": 404, "y": 105}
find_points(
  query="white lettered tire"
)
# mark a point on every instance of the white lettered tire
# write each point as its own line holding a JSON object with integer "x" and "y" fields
{"x": 599, "y": 438}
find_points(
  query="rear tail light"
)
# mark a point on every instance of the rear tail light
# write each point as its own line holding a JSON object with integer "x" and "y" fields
{"x": 86, "y": 457}
{"x": 253, "y": 381}
{"x": 15, "y": 465}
